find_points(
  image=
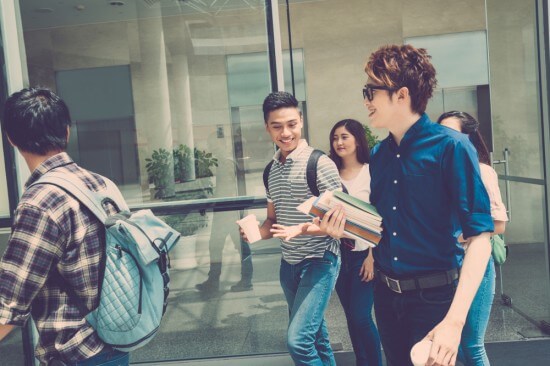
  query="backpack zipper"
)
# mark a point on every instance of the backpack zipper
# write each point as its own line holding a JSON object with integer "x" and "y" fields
{"x": 153, "y": 332}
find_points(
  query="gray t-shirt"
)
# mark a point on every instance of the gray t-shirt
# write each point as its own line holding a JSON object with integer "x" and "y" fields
{"x": 288, "y": 189}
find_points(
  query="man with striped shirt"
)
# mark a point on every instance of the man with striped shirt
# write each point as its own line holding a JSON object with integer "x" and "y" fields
{"x": 310, "y": 262}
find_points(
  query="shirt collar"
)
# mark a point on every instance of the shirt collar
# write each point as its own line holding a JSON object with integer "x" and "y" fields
{"x": 53, "y": 162}
{"x": 413, "y": 132}
{"x": 294, "y": 154}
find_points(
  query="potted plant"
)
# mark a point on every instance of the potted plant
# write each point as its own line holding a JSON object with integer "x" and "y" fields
{"x": 164, "y": 179}
{"x": 158, "y": 168}
{"x": 183, "y": 255}
{"x": 202, "y": 162}
{"x": 183, "y": 164}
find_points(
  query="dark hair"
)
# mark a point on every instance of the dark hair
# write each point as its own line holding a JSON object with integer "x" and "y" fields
{"x": 356, "y": 129}
{"x": 278, "y": 100}
{"x": 36, "y": 121}
{"x": 470, "y": 127}
{"x": 404, "y": 66}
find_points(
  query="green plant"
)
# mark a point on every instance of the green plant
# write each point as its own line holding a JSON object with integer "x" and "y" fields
{"x": 158, "y": 169}
{"x": 182, "y": 161}
{"x": 203, "y": 162}
{"x": 159, "y": 164}
{"x": 371, "y": 138}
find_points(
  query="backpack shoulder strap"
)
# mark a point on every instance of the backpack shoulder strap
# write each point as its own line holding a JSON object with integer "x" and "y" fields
{"x": 92, "y": 200}
{"x": 266, "y": 175}
{"x": 311, "y": 171}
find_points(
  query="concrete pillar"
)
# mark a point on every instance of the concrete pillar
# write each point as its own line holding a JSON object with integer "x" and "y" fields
{"x": 152, "y": 96}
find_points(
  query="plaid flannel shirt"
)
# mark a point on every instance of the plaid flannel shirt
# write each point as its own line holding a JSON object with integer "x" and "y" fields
{"x": 53, "y": 235}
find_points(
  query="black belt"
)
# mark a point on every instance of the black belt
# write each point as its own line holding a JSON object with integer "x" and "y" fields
{"x": 420, "y": 282}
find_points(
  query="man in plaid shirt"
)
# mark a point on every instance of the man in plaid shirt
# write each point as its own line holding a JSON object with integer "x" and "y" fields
{"x": 55, "y": 243}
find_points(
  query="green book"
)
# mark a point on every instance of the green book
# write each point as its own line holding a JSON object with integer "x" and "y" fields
{"x": 356, "y": 202}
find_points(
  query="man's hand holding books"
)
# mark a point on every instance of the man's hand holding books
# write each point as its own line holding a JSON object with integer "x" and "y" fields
{"x": 333, "y": 222}
{"x": 359, "y": 218}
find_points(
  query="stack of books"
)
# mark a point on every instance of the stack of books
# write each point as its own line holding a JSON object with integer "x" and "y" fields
{"x": 362, "y": 220}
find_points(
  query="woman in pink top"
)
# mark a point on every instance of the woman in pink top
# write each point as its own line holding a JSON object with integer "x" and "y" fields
{"x": 473, "y": 333}
{"x": 350, "y": 151}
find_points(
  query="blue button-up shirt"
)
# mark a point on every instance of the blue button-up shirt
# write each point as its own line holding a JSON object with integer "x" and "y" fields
{"x": 428, "y": 190}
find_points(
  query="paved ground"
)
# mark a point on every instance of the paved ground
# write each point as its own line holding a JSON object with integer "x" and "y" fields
{"x": 254, "y": 323}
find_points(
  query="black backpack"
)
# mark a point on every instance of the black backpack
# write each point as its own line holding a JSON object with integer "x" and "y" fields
{"x": 311, "y": 172}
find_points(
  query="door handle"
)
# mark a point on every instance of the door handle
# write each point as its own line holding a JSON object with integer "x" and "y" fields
{"x": 505, "y": 161}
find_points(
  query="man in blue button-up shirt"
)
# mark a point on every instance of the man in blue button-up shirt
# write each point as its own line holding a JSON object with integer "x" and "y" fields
{"x": 427, "y": 187}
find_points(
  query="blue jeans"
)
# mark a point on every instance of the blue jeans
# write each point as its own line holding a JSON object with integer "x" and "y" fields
{"x": 307, "y": 287}
{"x": 404, "y": 319}
{"x": 357, "y": 298}
{"x": 473, "y": 333}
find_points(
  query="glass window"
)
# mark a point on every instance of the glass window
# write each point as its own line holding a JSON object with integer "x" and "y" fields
{"x": 166, "y": 98}
{"x": 11, "y": 347}
{"x": 337, "y": 37}
{"x": 514, "y": 88}
{"x": 155, "y": 90}
{"x": 208, "y": 314}
{"x": 460, "y": 59}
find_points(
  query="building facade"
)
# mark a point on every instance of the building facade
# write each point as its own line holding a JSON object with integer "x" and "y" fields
{"x": 166, "y": 99}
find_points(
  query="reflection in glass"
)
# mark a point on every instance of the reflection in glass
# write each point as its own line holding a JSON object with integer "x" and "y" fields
{"x": 517, "y": 127}
{"x": 149, "y": 90}
{"x": 514, "y": 85}
{"x": 524, "y": 273}
{"x": 223, "y": 316}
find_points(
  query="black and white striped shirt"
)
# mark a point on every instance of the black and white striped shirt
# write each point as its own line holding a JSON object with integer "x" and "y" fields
{"x": 288, "y": 188}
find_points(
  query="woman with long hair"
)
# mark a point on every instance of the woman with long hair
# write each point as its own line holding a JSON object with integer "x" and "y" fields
{"x": 350, "y": 151}
{"x": 473, "y": 333}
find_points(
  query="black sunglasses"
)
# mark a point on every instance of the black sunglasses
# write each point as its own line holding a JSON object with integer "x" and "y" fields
{"x": 368, "y": 90}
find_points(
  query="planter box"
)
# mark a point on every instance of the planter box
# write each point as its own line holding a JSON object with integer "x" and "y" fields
{"x": 199, "y": 184}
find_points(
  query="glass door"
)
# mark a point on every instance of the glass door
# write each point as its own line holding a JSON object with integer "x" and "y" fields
{"x": 519, "y": 155}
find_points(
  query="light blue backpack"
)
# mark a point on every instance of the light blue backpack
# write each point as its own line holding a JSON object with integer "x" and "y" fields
{"x": 134, "y": 287}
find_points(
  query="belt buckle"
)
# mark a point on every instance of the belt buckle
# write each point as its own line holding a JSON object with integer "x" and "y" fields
{"x": 393, "y": 285}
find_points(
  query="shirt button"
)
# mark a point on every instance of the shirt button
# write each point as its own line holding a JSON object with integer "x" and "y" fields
{"x": 394, "y": 258}
{"x": 395, "y": 181}
{"x": 394, "y": 208}
{"x": 398, "y": 155}
{"x": 394, "y": 233}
